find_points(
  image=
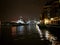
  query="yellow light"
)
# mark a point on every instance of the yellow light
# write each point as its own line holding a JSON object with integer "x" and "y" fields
{"x": 52, "y": 18}
{"x": 46, "y": 21}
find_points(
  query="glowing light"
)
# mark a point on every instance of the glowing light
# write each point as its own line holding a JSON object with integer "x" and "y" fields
{"x": 20, "y": 21}
{"x": 46, "y": 21}
{"x": 39, "y": 31}
{"x": 47, "y": 34}
{"x": 38, "y": 22}
{"x": 52, "y": 18}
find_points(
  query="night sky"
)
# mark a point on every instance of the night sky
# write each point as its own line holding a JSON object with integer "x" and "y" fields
{"x": 13, "y": 9}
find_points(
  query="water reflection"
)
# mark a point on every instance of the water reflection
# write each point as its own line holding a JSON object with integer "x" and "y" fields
{"x": 20, "y": 30}
{"x": 39, "y": 31}
{"x": 31, "y": 28}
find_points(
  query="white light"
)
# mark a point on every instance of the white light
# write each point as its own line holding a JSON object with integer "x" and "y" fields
{"x": 20, "y": 21}
{"x": 38, "y": 22}
{"x": 47, "y": 34}
{"x": 39, "y": 31}
{"x": 52, "y": 18}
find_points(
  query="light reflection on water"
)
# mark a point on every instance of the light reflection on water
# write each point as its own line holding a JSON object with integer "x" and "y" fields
{"x": 31, "y": 29}
{"x": 25, "y": 29}
{"x": 20, "y": 30}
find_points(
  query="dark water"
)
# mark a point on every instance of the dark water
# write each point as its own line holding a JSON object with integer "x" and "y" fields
{"x": 27, "y": 34}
